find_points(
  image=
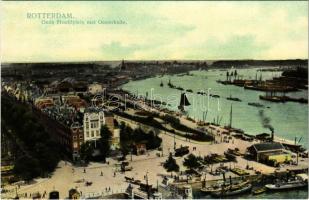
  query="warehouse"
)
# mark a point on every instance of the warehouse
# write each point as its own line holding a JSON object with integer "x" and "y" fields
{"x": 269, "y": 153}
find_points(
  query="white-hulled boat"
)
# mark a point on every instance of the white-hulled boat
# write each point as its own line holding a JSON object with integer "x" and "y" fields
{"x": 301, "y": 180}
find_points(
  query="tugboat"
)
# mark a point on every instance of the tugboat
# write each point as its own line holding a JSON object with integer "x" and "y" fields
{"x": 301, "y": 180}
{"x": 183, "y": 102}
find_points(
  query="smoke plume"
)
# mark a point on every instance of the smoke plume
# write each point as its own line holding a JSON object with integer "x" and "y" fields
{"x": 265, "y": 121}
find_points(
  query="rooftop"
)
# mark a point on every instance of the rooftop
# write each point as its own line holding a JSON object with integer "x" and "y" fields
{"x": 268, "y": 146}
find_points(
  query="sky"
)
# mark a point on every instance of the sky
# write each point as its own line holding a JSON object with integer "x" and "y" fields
{"x": 156, "y": 31}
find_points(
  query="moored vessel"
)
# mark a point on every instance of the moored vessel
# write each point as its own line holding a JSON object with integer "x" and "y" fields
{"x": 300, "y": 180}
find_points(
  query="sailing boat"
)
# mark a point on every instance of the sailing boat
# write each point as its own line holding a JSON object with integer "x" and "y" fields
{"x": 183, "y": 102}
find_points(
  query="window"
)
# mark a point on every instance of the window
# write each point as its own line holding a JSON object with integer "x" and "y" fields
{"x": 92, "y": 133}
{"x": 75, "y": 144}
{"x": 97, "y": 133}
{"x": 81, "y": 137}
{"x": 80, "y": 144}
{"x": 87, "y": 125}
{"x": 94, "y": 124}
{"x": 74, "y": 137}
{"x": 87, "y": 133}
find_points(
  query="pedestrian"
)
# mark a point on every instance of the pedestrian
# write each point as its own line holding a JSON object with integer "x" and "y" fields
{"x": 101, "y": 173}
{"x": 84, "y": 170}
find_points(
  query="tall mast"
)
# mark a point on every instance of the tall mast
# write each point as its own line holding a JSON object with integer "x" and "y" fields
{"x": 231, "y": 115}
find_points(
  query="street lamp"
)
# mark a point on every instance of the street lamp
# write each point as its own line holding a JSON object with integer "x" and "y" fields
{"x": 147, "y": 186}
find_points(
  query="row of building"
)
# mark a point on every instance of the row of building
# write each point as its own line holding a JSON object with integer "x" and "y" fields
{"x": 67, "y": 117}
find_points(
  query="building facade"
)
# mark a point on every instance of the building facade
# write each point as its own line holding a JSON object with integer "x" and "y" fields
{"x": 77, "y": 140}
{"x": 93, "y": 121}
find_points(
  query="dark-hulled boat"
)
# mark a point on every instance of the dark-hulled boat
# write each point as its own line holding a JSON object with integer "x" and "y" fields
{"x": 161, "y": 84}
{"x": 233, "y": 98}
{"x": 258, "y": 105}
{"x": 170, "y": 84}
{"x": 179, "y": 88}
{"x": 215, "y": 95}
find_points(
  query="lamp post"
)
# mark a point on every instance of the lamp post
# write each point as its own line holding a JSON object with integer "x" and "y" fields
{"x": 174, "y": 140}
{"x": 147, "y": 185}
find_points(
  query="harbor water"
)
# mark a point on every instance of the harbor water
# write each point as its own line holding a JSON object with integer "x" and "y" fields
{"x": 288, "y": 119}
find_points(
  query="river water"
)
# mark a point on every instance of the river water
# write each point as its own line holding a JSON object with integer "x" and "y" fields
{"x": 288, "y": 119}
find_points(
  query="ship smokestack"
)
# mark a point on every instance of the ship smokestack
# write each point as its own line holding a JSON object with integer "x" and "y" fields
{"x": 272, "y": 135}
{"x": 266, "y": 123}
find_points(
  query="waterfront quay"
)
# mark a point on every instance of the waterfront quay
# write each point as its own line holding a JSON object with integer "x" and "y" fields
{"x": 150, "y": 164}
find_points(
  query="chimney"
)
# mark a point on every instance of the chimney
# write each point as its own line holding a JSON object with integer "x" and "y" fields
{"x": 272, "y": 135}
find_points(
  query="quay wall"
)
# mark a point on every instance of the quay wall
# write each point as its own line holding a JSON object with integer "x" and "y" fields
{"x": 254, "y": 178}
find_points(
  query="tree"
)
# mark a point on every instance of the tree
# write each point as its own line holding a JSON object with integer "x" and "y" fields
{"x": 153, "y": 140}
{"x": 40, "y": 154}
{"x": 170, "y": 164}
{"x": 86, "y": 151}
{"x": 191, "y": 161}
{"x": 27, "y": 167}
{"x": 104, "y": 141}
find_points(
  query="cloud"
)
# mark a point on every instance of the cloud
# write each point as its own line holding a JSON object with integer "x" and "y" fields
{"x": 160, "y": 30}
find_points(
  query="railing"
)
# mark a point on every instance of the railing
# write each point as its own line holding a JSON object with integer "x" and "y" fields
{"x": 102, "y": 193}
